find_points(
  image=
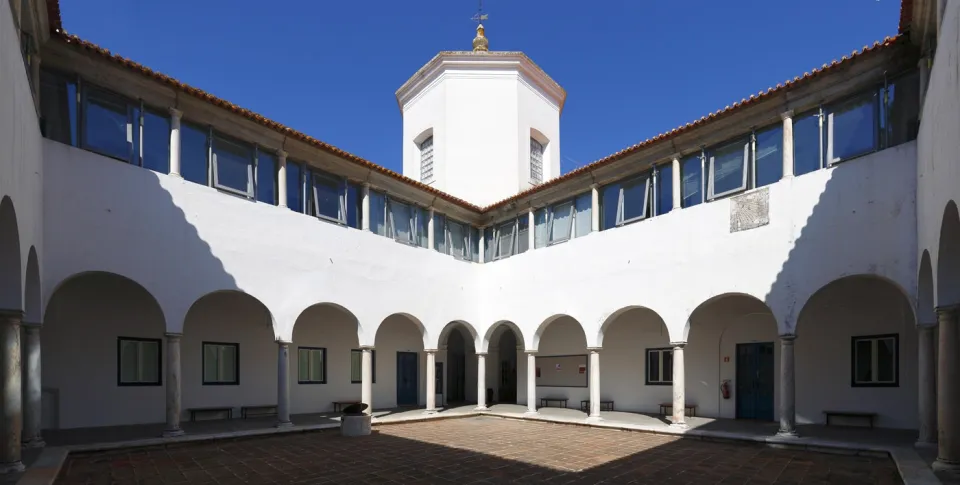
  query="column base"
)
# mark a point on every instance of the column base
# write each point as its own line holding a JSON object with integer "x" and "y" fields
{"x": 680, "y": 425}
{"x": 172, "y": 433}
{"x": 531, "y": 413}
{"x": 283, "y": 424}
{"x": 946, "y": 466}
{"x": 787, "y": 434}
{"x": 429, "y": 411}
{"x": 594, "y": 419}
{"x": 15, "y": 467}
{"x": 481, "y": 408}
{"x": 34, "y": 443}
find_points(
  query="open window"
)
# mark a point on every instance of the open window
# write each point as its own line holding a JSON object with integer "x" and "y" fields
{"x": 729, "y": 168}
{"x": 232, "y": 166}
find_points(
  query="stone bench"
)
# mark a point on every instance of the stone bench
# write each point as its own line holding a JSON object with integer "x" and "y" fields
{"x": 604, "y": 405}
{"x": 870, "y": 417}
{"x": 688, "y": 409}
{"x": 228, "y": 410}
{"x": 258, "y": 410}
{"x": 545, "y": 401}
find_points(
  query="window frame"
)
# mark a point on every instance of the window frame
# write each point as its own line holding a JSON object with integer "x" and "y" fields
{"x": 646, "y": 363}
{"x": 425, "y": 161}
{"x": 698, "y": 156}
{"x": 85, "y": 91}
{"x": 257, "y": 183}
{"x": 341, "y": 187}
{"x": 745, "y": 163}
{"x": 550, "y": 218}
{"x": 646, "y": 179}
{"x": 466, "y": 239}
{"x": 159, "y": 381}
{"x": 874, "y": 364}
{"x": 373, "y": 365}
{"x": 203, "y": 363}
{"x": 497, "y": 231}
{"x": 827, "y": 124}
{"x": 215, "y": 140}
{"x": 323, "y": 365}
{"x": 415, "y": 213}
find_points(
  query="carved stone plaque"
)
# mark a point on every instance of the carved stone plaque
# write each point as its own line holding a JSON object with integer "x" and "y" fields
{"x": 749, "y": 211}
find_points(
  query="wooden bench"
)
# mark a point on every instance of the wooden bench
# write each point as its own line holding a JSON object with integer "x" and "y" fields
{"x": 545, "y": 401}
{"x": 604, "y": 405}
{"x": 339, "y": 405}
{"x": 870, "y": 417}
{"x": 258, "y": 410}
{"x": 228, "y": 410}
{"x": 688, "y": 409}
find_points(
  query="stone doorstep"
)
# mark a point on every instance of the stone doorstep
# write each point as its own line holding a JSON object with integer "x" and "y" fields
{"x": 913, "y": 470}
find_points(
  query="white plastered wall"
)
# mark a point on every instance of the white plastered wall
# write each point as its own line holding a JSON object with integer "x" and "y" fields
{"x": 537, "y": 114}
{"x": 335, "y": 331}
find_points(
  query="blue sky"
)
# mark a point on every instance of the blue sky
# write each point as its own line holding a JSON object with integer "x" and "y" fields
{"x": 632, "y": 69}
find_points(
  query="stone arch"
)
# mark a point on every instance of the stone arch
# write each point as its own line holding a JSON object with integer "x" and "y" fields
{"x": 231, "y": 294}
{"x": 753, "y": 307}
{"x": 33, "y": 297}
{"x": 288, "y": 335}
{"x": 947, "y": 283}
{"x": 448, "y": 328}
{"x": 425, "y": 335}
{"x": 324, "y": 348}
{"x": 856, "y": 278}
{"x": 491, "y": 332}
{"x": 542, "y": 328}
{"x": 605, "y": 325}
{"x": 926, "y": 315}
{"x": 11, "y": 290}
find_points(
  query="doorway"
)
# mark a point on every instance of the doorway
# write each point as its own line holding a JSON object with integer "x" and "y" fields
{"x": 407, "y": 378}
{"x": 457, "y": 371}
{"x": 755, "y": 381}
{"x": 507, "y": 351}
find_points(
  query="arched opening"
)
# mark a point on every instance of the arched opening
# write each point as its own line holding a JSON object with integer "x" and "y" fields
{"x": 926, "y": 315}
{"x": 325, "y": 359}
{"x": 108, "y": 329}
{"x": 948, "y": 258}
{"x": 400, "y": 365}
{"x": 457, "y": 364}
{"x": 562, "y": 360}
{"x": 856, "y": 350}
{"x": 504, "y": 343}
{"x": 32, "y": 301}
{"x": 228, "y": 353}
{"x": 732, "y": 338}
{"x": 637, "y": 360}
{"x": 11, "y": 294}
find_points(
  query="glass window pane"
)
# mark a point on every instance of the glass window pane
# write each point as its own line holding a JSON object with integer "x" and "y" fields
{"x": 266, "y": 177}
{"x": 304, "y": 364}
{"x": 609, "y": 204}
{"x": 653, "y": 366}
{"x": 474, "y": 244}
{"x": 902, "y": 109}
{"x": 864, "y": 361}
{"x": 155, "y": 144}
{"x": 536, "y": 161}
{"x": 665, "y": 189}
{"x": 728, "y": 167}
{"x": 210, "y": 363}
{"x": 691, "y": 183}
{"x": 540, "y": 228}
{"x": 423, "y": 218}
{"x": 584, "y": 218}
{"x": 854, "y": 126}
{"x": 886, "y": 360}
{"x": 505, "y": 240}
{"x": 635, "y": 199}
{"x": 806, "y": 143}
{"x": 400, "y": 222}
{"x": 667, "y": 365}
{"x": 294, "y": 186}
{"x": 457, "y": 240}
{"x": 523, "y": 234}
{"x": 489, "y": 244}
{"x": 426, "y": 160}
{"x": 228, "y": 363}
{"x": 356, "y": 366}
{"x": 769, "y": 155}
{"x": 316, "y": 365}
{"x": 561, "y": 221}
{"x": 234, "y": 165}
{"x": 129, "y": 361}
{"x": 193, "y": 154}
{"x": 150, "y": 362}
{"x": 58, "y": 107}
{"x": 107, "y": 125}
{"x": 439, "y": 233}
{"x": 354, "y": 206}
{"x": 378, "y": 207}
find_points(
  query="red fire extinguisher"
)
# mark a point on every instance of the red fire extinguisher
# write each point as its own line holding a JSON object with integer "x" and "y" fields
{"x": 725, "y": 389}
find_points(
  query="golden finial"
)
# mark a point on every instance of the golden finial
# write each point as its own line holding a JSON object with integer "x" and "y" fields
{"x": 480, "y": 42}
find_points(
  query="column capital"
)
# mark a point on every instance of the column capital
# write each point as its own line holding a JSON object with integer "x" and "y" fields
{"x": 430, "y": 351}
{"x": 36, "y": 325}
{"x": 675, "y": 157}
{"x": 173, "y": 335}
{"x": 366, "y": 347}
{"x": 175, "y": 113}
{"x": 281, "y": 155}
{"x": 946, "y": 313}
{"x": 481, "y": 354}
{"x": 283, "y": 343}
{"x": 365, "y": 185}
{"x": 788, "y": 337}
{"x": 788, "y": 114}
{"x": 922, "y": 327}
{"x": 678, "y": 345}
{"x": 594, "y": 349}
{"x": 530, "y": 352}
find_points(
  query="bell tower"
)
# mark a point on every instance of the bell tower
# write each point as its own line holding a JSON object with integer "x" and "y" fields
{"x": 481, "y": 125}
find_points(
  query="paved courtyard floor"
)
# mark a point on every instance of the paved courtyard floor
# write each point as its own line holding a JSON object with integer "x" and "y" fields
{"x": 474, "y": 450}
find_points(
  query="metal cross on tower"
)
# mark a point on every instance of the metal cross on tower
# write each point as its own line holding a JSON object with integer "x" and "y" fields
{"x": 479, "y": 16}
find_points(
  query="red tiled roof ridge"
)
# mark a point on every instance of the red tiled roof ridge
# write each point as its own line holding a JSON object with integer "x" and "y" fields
{"x": 262, "y": 120}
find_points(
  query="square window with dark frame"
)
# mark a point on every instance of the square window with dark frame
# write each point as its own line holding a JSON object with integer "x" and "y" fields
{"x": 875, "y": 361}
{"x": 221, "y": 364}
{"x": 139, "y": 362}
{"x": 356, "y": 366}
{"x": 659, "y": 367}
{"x": 313, "y": 365}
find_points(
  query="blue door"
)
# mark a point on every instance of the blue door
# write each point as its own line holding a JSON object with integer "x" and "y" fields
{"x": 406, "y": 378}
{"x": 754, "y": 385}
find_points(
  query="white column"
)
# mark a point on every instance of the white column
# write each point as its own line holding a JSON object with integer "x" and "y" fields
{"x": 31, "y": 388}
{"x": 787, "y": 118}
{"x": 677, "y": 196}
{"x": 431, "y": 379}
{"x": 531, "y": 224}
{"x": 481, "y": 246}
{"x": 927, "y": 392}
{"x": 679, "y": 395}
{"x": 594, "y": 383}
{"x": 175, "y": 115}
{"x": 173, "y": 386}
{"x": 948, "y": 391}
{"x": 12, "y": 424}
{"x": 283, "y": 384}
{"x": 531, "y": 382}
{"x": 431, "y": 235}
{"x": 481, "y": 381}
{"x": 595, "y": 208}
{"x": 282, "y": 178}
{"x": 365, "y": 208}
{"x": 788, "y": 407}
{"x": 366, "y": 391}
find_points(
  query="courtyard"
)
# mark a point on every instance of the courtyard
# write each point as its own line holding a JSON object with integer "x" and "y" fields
{"x": 474, "y": 450}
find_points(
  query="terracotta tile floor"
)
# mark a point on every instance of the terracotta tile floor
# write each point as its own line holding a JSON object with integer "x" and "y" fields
{"x": 474, "y": 450}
